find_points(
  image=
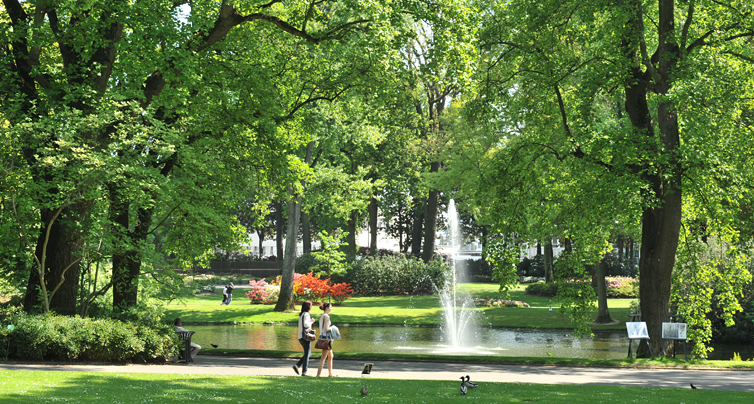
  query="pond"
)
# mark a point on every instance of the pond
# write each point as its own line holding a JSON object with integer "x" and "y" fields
{"x": 429, "y": 340}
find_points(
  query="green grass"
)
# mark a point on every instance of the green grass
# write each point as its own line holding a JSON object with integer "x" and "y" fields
{"x": 82, "y": 387}
{"x": 392, "y": 310}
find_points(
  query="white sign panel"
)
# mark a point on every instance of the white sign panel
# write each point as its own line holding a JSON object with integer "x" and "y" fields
{"x": 637, "y": 330}
{"x": 674, "y": 331}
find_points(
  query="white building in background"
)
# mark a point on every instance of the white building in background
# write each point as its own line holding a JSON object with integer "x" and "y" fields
{"x": 471, "y": 250}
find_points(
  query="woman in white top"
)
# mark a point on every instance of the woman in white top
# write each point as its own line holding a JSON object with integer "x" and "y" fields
{"x": 304, "y": 321}
{"x": 324, "y": 329}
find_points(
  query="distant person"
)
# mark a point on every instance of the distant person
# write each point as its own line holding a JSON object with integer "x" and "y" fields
{"x": 325, "y": 339}
{"x": 179, "y": 328}
{"x": 225, "y": 295}
{"x": 228, "y": 292}
{"x": 305, "y": 322}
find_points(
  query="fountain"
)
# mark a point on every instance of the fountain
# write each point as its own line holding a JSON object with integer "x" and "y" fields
{"x": 459, "y": 327}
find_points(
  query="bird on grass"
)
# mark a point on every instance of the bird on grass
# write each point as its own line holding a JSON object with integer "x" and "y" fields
{"x": 692, "y": 386}
{"x": 463, "y": 388}
{"x": 468, "y": 383}
{"x": 364, "y": 391}
{"x": 213, "y": 345}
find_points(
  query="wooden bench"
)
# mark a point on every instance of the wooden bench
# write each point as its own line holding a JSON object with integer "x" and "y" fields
{"x": 186, "y": 337}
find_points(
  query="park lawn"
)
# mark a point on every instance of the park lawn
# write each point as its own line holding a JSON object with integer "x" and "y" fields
{"x": 392, "y": 310}
{"x": 130, "y": 388}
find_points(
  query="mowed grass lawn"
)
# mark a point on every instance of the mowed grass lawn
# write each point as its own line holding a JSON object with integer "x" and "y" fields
{"x": 131, "y": 388}
{"x": 396, "y": 310}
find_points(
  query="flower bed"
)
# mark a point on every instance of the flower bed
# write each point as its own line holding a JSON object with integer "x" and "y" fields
{"x": 305, "y": 287}
{"x": 500, "y": 303}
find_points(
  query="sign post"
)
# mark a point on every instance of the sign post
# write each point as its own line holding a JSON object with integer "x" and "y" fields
{"x": 674, "y": 332}
{"x": 637, "y": 330}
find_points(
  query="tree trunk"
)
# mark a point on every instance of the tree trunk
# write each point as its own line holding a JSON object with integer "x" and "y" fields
{"x": 661, "y": 222}
{"x": 306, "y": 233}
{"x": 539, "y": 249}
{"x": 549, "y": 276}
{"x": 352, "y": 249}
{"x": 430, "y": 219}
{"x": 373, "y": 204}
{"x": 417, "y": 229}
{"x": 279, "y": 220}
{"x": 63, "y": 244}
{"x": 261, "y": 234}
{"x": 603, "y": 314}
{"x": 130, "y": 245}
{"x": 285, "y": 299}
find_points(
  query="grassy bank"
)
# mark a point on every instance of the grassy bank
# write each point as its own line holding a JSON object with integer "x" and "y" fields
{"x": 81, "y": 387}
{"x": 393, "y": 310}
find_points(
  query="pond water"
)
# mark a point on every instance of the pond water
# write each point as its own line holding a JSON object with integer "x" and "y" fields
{"x": 427, "y": 340}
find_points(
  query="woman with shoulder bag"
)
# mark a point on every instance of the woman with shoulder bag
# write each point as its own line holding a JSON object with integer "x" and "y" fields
{"x": 305, "y": 337}
{"x": 325, "y": 339}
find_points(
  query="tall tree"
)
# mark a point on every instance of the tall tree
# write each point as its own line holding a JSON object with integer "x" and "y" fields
{"x": 559, "y": 67}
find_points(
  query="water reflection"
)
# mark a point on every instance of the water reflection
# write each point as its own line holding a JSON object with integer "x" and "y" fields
{"x": 421, "y": 340}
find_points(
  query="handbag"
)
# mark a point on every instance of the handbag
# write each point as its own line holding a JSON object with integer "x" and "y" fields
{"x": 309, "y": 334}
{"x": 323, "y": 344}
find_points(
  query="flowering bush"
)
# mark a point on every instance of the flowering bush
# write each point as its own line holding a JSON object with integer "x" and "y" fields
{"x": 273, "y": 292}
{"x": 305, "y": 287}
{"x": 619, "y": 281}
{"x": 258, "y": 293}
{"x": 500, "y": 303}
{"x": 340, "y": 291}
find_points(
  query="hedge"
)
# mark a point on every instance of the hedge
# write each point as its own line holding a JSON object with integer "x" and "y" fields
{"x": 61, "y": 338}
{"x": 394, "y": 275}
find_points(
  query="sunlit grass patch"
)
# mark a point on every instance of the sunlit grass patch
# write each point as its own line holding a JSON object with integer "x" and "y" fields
{"x": 83, "y": 387}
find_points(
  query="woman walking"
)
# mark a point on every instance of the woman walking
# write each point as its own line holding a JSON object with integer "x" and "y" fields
{"x": 325, "y": 339}
{"x": 305, "y": 322}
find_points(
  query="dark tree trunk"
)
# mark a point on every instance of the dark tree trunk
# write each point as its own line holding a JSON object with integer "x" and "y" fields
{"x": 430, "y": 219}
{"x": 279, "y": 227}
{"x": 306, "y": 233}
{"x": 567, "y": 245}
{"x": 539, "y": 249}
{"x": 631, "y": 254}
{"x": 417, "y": 228}
{"x": 352, "y": 249}
{"x": 261, "y": 234}
{"x": 373, "y": 205}
{"x": 549, "y": 276}
{"x": 603, "y": 314}
{"x": 619, "y": 244}
{"x": 60, "y": 260}
{"x": 130, "y": 242}
{"x": 661, "y": 222}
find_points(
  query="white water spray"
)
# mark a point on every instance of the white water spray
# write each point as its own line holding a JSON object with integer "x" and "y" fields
{"x": 459, "y": 324}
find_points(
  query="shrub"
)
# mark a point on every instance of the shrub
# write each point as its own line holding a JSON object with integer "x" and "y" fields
{"x": 54, "y": 337}
{"x": 622, "y": 287}
{"x": 395, "y": 275}
{"x": 305, "y": 263}
{"x": 542, "y": 289}
{"x": 258, "y": 293}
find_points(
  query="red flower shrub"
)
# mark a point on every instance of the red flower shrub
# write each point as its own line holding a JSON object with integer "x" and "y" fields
{"x": 340, "y": 291}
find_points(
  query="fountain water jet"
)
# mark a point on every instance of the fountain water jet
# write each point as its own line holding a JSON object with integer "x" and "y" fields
{"x": 459, "y": 326}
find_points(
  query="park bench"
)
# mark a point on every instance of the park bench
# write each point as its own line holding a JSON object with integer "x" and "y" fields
{"x": 186, "y": 337}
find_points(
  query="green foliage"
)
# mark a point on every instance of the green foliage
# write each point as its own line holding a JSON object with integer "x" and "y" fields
{"x": 709, "y": 275}
{"x": 395, "y": 275}
{"x": 52, "y": 337}
{"x": 542, "y": 289}
{"x": 502, "y": 255}
{"x": 331, "y": 259}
